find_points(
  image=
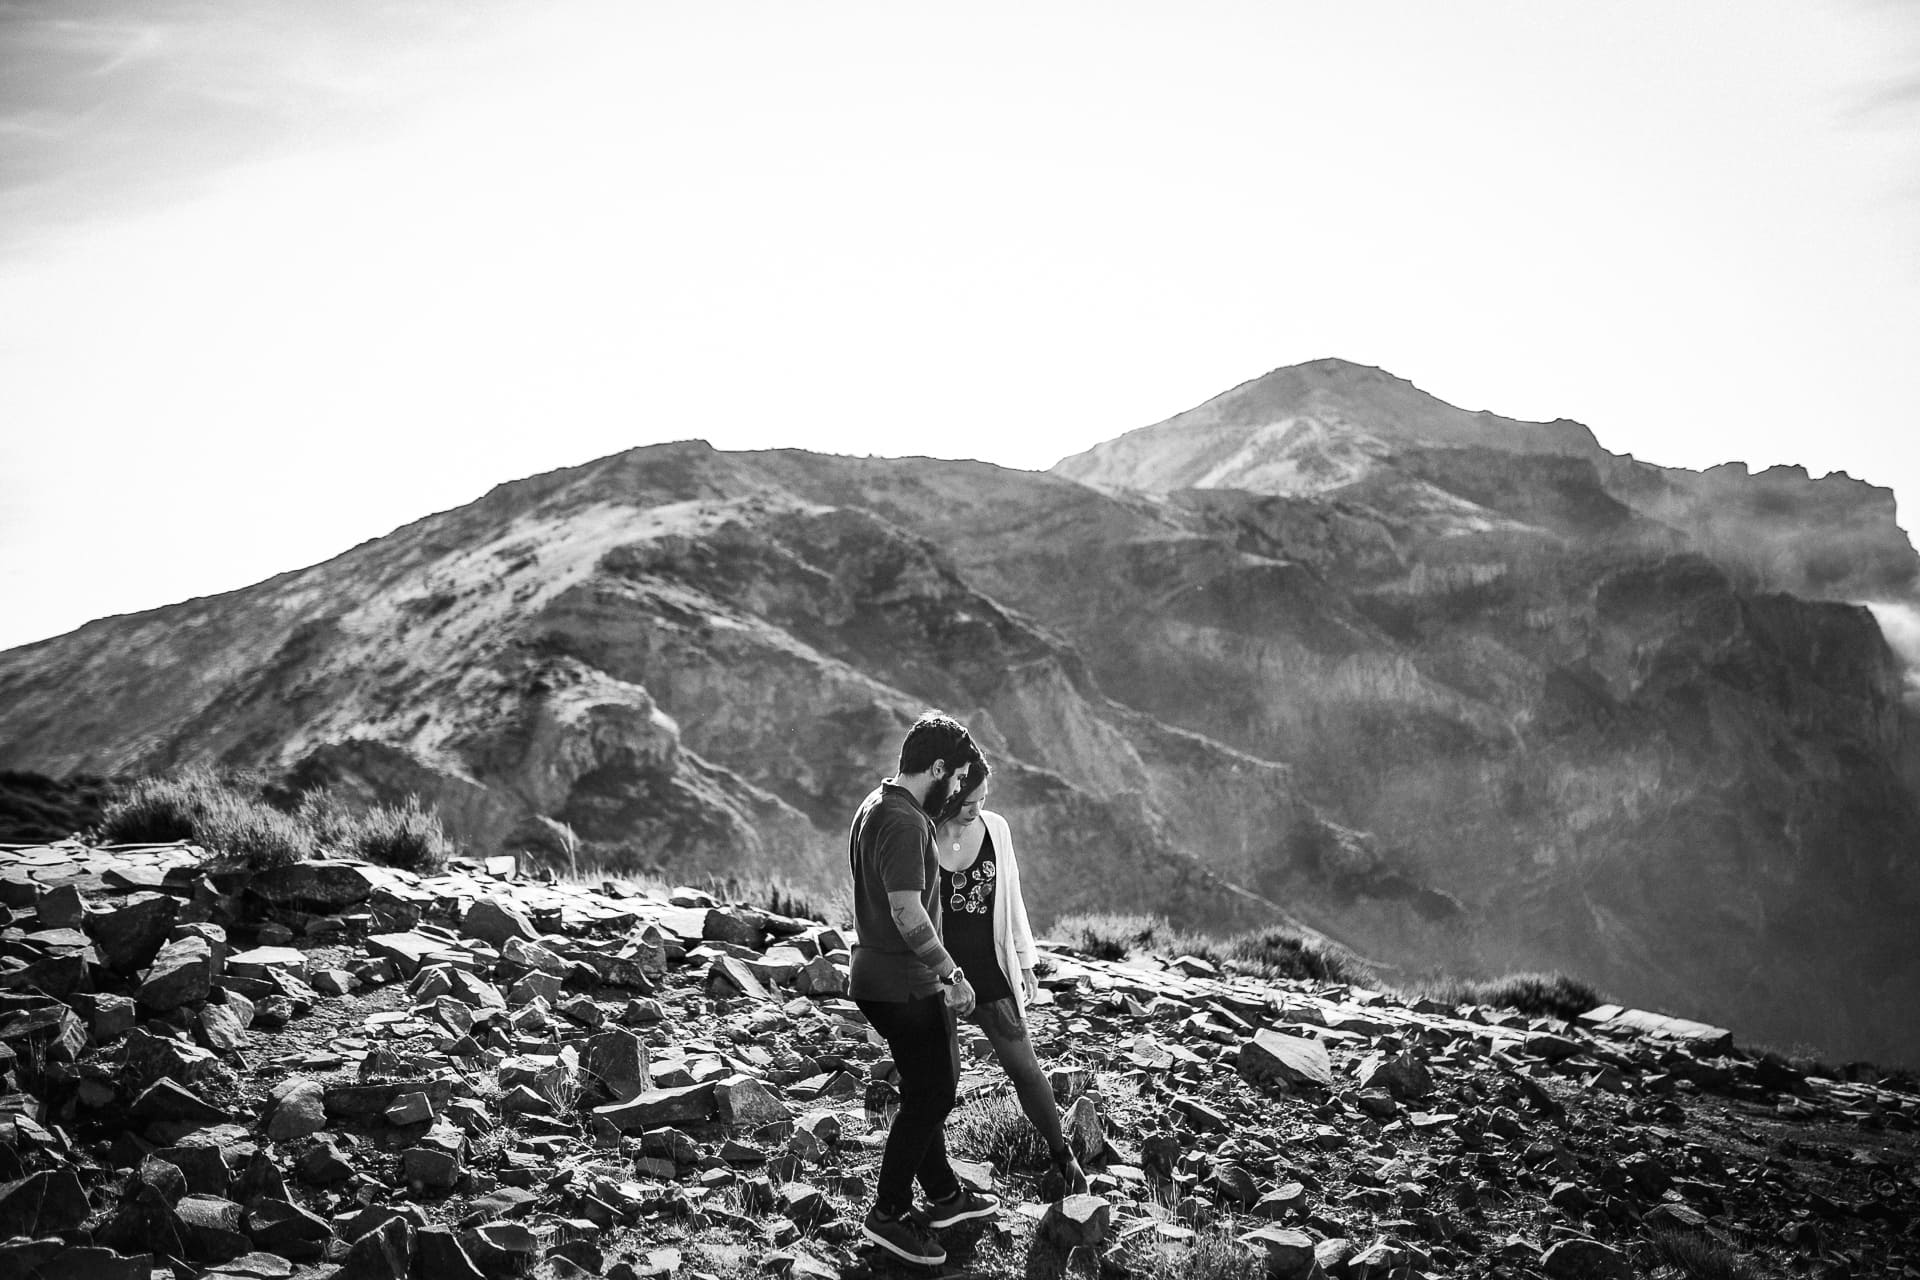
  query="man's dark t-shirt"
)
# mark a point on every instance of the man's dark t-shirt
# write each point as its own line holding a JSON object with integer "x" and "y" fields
{"x": 890, "y": 848}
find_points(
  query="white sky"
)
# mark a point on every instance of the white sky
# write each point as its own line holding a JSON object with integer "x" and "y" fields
{"x": 276, "y": 278}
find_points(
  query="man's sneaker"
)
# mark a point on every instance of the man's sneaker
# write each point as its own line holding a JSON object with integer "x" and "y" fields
{"x": 960, "y": 1206}
{"x": 902, "y": 1237}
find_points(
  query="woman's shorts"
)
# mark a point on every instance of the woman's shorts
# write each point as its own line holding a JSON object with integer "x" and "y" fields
{"x": 1000, "y": 1018}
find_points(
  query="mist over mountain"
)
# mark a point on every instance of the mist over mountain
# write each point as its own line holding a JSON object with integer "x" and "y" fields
{"x": 1459, "y": 691}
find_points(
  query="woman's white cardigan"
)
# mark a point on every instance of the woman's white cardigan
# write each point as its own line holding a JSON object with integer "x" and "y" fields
{"x": 1012, "y": 933}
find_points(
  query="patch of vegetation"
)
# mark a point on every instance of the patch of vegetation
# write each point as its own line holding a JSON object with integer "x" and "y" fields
{"x": 1213, "y": 1254}
{"x": 1694, "y": 1255}
{"x": 994, "y": 1128}
{"x": 1280, "y": 952}
{"x": 221, "y": 813}
{"x": 1552, "y": 994}
{"x": 36, "y": 809}
{"x": 407, "y": 835}
{"x": 1273, "y": 952}
{"x": 1112, "y": 936}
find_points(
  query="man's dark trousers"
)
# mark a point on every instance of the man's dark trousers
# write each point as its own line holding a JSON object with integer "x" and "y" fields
{"x": 920, "y": 1034}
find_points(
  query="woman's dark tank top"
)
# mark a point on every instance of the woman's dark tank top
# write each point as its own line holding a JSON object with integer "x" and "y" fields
{"x": 966, "y": 925}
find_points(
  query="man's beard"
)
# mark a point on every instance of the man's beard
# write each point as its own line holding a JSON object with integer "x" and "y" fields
{"x": 937, "y": 796}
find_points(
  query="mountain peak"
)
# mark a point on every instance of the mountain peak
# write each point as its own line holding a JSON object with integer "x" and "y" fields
{"x": 1307, "y": 428}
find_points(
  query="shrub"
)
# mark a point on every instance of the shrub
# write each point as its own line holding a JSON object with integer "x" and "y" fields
{"x": 1109, "y": 936}
{"x": 334, "y": 825}
{"x": 1533, "y": 994}
{"x": 1276, "y": 951}
{"x": 1213, "y": 1255}
{"x": 406, "y": 836}
{"x": 994, "y": 1128}
{"x": 161, "y": 810}
{"x": 1281, "y": 952}
{"x": 211, "y": 811}
{"x": 1698, "y": 1256}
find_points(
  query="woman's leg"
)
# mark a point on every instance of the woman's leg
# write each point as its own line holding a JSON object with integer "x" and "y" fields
{"x": 1007, "y": 1033}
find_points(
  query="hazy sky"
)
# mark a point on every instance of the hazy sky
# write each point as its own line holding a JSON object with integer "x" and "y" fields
{"x": 276, "y": 278}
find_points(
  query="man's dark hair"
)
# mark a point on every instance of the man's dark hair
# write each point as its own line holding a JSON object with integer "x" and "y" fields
{"x": 937, "y": 736}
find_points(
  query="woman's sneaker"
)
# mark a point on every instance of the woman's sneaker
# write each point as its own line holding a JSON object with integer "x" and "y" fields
{"x": 959, "y": 1207}
{"x": 903, "y": 1237}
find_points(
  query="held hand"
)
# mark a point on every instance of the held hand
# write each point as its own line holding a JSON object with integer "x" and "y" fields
{"x": 1029, "y": 984}
{"x": 960, "y": 997}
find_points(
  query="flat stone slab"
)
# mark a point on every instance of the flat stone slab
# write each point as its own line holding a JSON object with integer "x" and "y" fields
{"x": 256, "y": 963}
{"x": 408, "y": 951}
{"x": 1700, "y": 1034}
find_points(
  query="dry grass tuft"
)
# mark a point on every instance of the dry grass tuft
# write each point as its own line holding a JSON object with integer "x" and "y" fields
{"x": 213, "y": 811}
{"x": 1273, "y": 952}
{"x": 1534, "y": 994}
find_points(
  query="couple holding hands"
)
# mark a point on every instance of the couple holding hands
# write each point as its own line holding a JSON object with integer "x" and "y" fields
{"x": 942, "y": 934}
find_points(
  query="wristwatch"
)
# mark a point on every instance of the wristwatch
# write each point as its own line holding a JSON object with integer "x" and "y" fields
{"x": 953, "y": 977}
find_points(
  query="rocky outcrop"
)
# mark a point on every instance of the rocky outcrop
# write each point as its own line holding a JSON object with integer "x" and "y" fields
{"x": 551, "y": 1078}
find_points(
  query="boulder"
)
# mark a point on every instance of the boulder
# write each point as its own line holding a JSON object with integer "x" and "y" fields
{"x": 1402, "y": 1075}
{"x": 1287, "y": 1254}
{"x": 166, "y": 1099}
{"x": 745, "y": 1104}
{"x": 617, "y": 1060}
{"x": 384, "y": 1253}
{"x": 1583, "y": 1259}
{"x": 300, "y": 1108}
{"x": 286, "y": 1229}
{"x": 654, "y": 1107}
{"x": 494, "y": 920}
{"x": 260, "y": 961}
{"x": 1076, "y": 1221}
{"x": 42, "y": 1204}
{"x": 437, "y": 1162}
{"x": 405, "y": 951}
{"x": 130, "y": 933}
{"x": 322, "y": 887}
{"x": 148, "y": 1057}
{"x": 439, "y": 1255}
{"x": 1291, "y": 1060}
{"x": 209, "y": 1228}
{"x": 182, "y": 973}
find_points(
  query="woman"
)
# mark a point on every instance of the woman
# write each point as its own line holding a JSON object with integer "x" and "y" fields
{"x": 984, "y": 926}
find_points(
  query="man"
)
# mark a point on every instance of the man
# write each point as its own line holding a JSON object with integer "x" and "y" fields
{"x": 909, "y": 988}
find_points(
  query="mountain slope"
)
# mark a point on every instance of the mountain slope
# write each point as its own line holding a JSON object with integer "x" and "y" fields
{"x": 1480, "y": 705}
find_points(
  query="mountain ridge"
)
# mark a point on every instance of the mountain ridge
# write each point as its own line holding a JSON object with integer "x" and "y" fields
{"x": 1419, "y": 711}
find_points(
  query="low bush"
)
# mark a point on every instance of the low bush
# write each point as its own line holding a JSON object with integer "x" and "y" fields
{"x": 1534, "y": 994}
{"x": 994, "y": 1128}
{"x": 1276, "y": 951}
{"x": 1280, "y": 952}
{"x": 406, "y": 836}
{"x": 1694, "y": 1255}
{"x": 1213, "y": 1254}
{"x": 211, "y": 810}
{"x": 1108, "y": 936}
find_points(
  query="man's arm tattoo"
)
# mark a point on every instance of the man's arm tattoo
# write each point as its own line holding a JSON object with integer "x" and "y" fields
{"x": 925, "y": 941}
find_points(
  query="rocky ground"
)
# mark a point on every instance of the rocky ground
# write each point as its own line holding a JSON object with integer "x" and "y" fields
{"x": 338, "y": 1068}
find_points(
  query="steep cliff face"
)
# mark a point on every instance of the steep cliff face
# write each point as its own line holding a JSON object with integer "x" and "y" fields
{"x": 1616, "y": 711}
{"x": 1473, "y": 695}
